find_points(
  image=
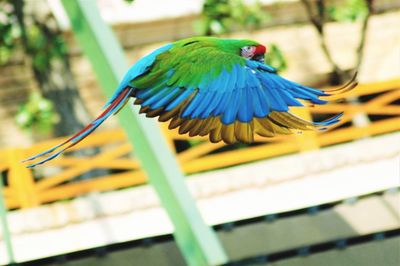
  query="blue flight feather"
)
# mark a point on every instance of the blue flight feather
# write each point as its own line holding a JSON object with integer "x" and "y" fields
{"x": 245, "y": 113}
{"x": 156, "y": 97}
{"x": 229, "y": 116}
{"x": 289, "y": 99}
{"x": 208, "y": 95}
{"x": 193, "y": 104}
{"x": 172, "y": 93}
{"x": 178, "y": 100}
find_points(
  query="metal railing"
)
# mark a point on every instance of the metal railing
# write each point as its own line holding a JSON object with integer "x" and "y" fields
{"x": 26, "y": 188}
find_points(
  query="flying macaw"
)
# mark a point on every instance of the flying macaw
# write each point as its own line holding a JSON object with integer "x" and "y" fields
{"x": 210, "y": 86}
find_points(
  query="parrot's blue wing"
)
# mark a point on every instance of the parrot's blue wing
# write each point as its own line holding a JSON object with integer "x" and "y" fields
{"x": 244, "y": 99}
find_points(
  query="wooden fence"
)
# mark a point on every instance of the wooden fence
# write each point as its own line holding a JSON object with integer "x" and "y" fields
{"x": 61, "y": 179}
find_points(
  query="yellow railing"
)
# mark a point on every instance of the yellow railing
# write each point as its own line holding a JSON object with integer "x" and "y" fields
{"x": 57, "y": 180}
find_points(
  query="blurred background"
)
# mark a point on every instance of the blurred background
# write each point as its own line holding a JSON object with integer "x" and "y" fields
{"x": 317, "y": 198}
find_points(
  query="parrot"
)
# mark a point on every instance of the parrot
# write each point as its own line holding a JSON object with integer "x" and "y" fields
{"x": 210, "y": 86}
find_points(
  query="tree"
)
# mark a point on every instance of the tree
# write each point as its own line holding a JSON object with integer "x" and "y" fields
{"x": 30, "y": 27}
{"x": 353, "y": 10}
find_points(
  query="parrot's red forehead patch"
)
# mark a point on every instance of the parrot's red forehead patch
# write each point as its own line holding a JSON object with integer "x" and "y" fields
{"x": 260, "y": 49}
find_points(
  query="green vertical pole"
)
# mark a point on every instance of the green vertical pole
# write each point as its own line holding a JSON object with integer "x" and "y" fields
{"x": 196, "y": 240}
{"x": 4, "y": 225}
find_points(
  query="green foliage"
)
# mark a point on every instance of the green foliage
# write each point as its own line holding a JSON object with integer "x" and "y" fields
{"x": 42, "y": 50}
{"x": 222, "y": 16}
{"x": 40, "y": 46}
{"x": 38, "y": 113}
{"x": 8, "y": 32}
{"x": 274, "y": 57}
{"x": 352, "y": 10}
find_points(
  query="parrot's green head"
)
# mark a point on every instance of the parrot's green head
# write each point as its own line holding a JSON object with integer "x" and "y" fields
{"x": 245, "y": 48}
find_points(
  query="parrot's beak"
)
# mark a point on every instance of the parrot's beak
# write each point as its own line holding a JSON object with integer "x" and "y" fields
{"x": 258, "y": 57}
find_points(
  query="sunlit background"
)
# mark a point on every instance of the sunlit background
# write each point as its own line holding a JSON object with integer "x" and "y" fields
{"x": 316, "y": 198}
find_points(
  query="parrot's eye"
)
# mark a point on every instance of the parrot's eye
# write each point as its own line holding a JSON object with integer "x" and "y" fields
{"x": 247, "y": 51}
{"x": 255, "y": 53}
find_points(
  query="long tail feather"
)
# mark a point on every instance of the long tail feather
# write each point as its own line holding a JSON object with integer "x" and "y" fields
{"x": 112, "y": 108}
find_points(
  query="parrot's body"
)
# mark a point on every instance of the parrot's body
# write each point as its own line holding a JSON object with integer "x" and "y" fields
{"x": 210, "y": 86}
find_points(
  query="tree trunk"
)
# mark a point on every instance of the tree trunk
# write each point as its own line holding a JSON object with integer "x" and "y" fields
{"x": 55, "y": 80}
{"x": 318, "y": 19}
{"x": 53, "y": 75}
